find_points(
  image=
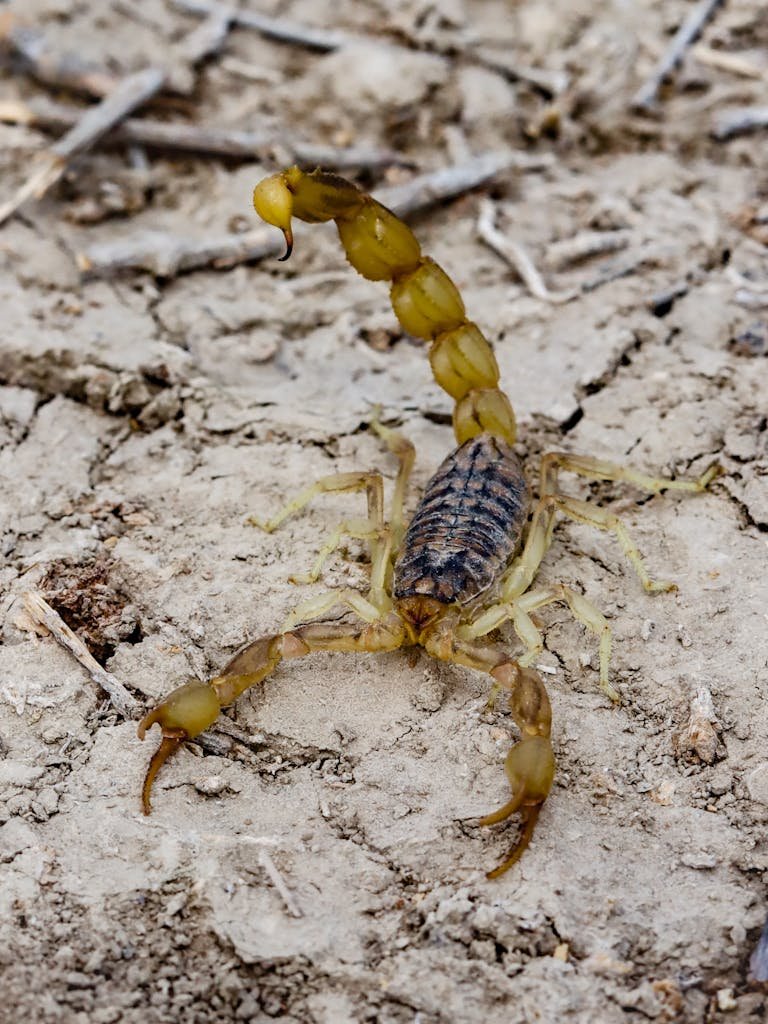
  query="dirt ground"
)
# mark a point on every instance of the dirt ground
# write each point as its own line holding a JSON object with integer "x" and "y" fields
{"x": 318, "y": 860}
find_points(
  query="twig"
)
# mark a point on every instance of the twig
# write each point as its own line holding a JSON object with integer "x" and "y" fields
{"x": 166, "y": 255}
{"x": 615, "y": 270}
{"x": 428, "y": 189}
{"x": 725, "y": 61}
{"x": 758, "y": 961}
{"x": 41, "y": 613}
{"x": 95, "y": 122}
{"x": 551, "y": 83}
{"x": 62, "y": 70}
{"x": 584, "y": 245}
{"x": 738, "y": 121}
{"x": 207, "y": 39}
{"x": 516, "y": 256}
{"x": 193, "y": 138}
{"x": 36, "y": 57}
{"x": 688, "y": 33}
{"x": 279, "y": 883}
{"x": 274, "y": 28}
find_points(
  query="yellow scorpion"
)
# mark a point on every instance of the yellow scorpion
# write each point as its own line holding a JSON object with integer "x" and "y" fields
{"x": 468, "y": 559}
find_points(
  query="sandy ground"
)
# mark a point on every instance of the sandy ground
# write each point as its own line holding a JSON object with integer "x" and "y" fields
{"x": 142, "y": 419}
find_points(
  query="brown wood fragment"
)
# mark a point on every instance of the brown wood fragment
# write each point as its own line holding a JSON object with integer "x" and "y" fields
{"x": 166, "y": 255}
{"x": 130, "y": 93}
{"x": 192, "y": 138}
{"x": 646, "y": 96}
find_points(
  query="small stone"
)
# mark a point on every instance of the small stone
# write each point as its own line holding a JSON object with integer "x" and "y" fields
{"x": 757, "y": 784}
{"x": 725, "y": 1000}
{"x": 684, "y": 637}
{"x": 699, "y": 861}
{"x": 214, "y": 785}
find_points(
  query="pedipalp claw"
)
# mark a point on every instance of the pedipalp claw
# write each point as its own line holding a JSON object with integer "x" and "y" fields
{"x": 530, "y": 817}
{"x": 169, "y": 744}
{"x": 184, "y": 713}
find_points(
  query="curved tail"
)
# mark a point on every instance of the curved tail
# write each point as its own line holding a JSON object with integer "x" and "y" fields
{"x": 425, "y": 300}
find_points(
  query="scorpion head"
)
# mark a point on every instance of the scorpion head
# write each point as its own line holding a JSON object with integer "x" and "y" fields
{"x": 419, "y": 613}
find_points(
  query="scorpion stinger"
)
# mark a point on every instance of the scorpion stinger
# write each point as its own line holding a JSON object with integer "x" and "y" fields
{"x": 468, "y": 560}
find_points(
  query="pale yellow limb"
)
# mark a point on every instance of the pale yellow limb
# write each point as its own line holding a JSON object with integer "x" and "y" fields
{"x": 600, "y": 469}
{"x": 322, "y": 604}
{"x": 403, "y": 449}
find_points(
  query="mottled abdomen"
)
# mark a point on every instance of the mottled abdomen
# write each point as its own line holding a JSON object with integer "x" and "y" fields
{"x": 467, "y": 526}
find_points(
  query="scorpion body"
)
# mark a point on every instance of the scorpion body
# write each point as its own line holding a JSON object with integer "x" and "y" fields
{"x": 467, "y": 526}
{"x": 467, "y": 562}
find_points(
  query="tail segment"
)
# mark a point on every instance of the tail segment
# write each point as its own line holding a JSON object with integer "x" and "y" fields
{"x": 425, "y": 300}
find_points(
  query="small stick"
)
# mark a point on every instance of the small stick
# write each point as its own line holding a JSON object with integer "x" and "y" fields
{"x": 739, "y": 121}
{"x": 584, "y": 245}
{"x": 61, "y": 70}
{"x": 758, "y": 961}
{"x": 207, "y": 39}
{"x": 281, "y": 29}
{"x": 42, "y": 614}
{"x": 427, "y": 189}
{"x": 130, "y": 93}
{"x": 516, "y": 256}
{"x": 166, "y": 255}
{"x": 686, "y": 35}
{"x": 551, "y": 83}
{"x": 200, "y": 138}
{"x": 724, "y": 61}
{"x": 278, "y": 881}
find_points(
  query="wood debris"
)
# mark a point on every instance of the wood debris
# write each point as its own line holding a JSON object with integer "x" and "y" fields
{"x": 646, "y": 96}
{"x": 95, "y": 122}
{"x": 41, "y": 613}
{"x": 515, "y": 255}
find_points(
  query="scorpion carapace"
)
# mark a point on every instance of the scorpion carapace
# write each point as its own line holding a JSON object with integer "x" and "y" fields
{"x": 468, "y": 560}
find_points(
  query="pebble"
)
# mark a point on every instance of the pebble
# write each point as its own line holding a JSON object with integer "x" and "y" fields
{"x": 213, "y": 785}
{"x": 757, "y": 784}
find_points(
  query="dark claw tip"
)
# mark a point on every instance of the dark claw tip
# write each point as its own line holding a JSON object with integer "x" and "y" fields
{"x": 289, "y": 246}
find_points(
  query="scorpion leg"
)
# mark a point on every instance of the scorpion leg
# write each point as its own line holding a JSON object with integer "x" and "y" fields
{"x": 403, "y": 449}
{"x": 319, "y": 606}
{"x": 518, "y": 611}
{"x": 193, "y": 707}
{"x": 599, "y": 469}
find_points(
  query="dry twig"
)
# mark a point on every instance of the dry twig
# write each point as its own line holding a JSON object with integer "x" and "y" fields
{"x": 130, "y": 93}
{"x": 281, "y": 29}
{"x": 427, "y": 189}
{"x": 37, "y": 58}
{"x": 191, "y": 138}
{"x": 739, "y": 121}
{"x": 166, "y": 255}
{"x": 585, "y": 245}
{"x": 42, "y": 614}
{"x": 279, "y": 882}
{"x": 551, "y": 83}
{"x": 725, "y": 61}
{"x": 688, "y": 33}
{"x": 516, "y": 256}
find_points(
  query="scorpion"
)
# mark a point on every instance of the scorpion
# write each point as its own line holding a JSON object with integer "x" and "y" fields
{"x": 467, "y": 562}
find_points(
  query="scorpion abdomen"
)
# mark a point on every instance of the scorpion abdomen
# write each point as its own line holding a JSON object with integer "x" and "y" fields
{"x": 467, "y": 526}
